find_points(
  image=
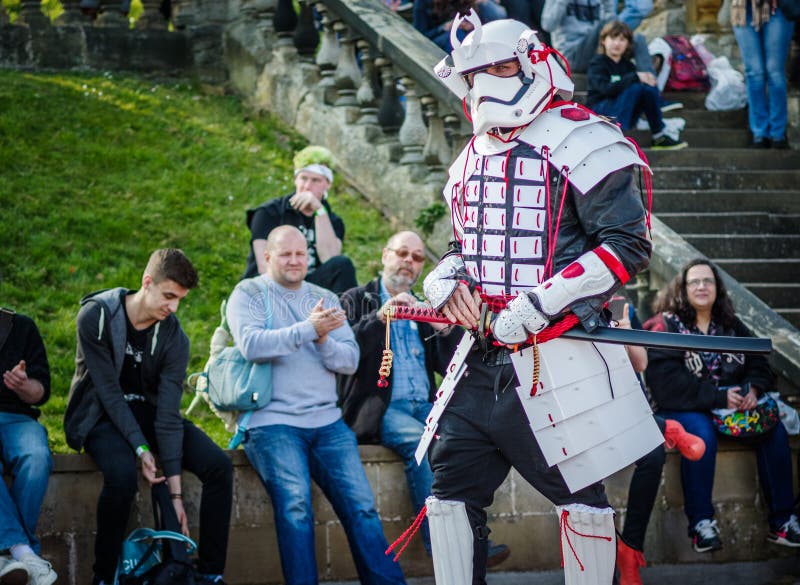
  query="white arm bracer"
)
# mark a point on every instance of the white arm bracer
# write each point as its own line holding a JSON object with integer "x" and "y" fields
{"x": 441, "y": 282}
{"x": 590, "y": 275}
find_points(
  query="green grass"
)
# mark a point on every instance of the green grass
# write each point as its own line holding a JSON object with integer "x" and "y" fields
{"x": 96, "y": 171}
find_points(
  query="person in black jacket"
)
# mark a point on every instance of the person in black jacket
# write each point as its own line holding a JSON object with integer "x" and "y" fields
{"x": 124, "y": 404}
{"x": 306, "y": 208}
{"x": 687, "y": 386}
{"x": 24, "y": 453}
{"x": 618, "y": 90}
{"x": 394, "y": 416}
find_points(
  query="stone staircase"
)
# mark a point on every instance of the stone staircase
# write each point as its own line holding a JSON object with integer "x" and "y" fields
{"x": 738, "y": 206}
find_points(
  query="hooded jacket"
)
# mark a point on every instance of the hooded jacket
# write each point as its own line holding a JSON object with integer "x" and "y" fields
{"x": 95, "y": 389}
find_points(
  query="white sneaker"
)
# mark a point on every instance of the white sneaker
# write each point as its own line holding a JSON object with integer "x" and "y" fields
{"x": 12, "y": 572}
{"x": 40, "y": 570}
{"x": 672, "y": 126}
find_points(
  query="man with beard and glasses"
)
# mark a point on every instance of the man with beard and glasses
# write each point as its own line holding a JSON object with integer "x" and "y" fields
{"x": 394, "y": 416}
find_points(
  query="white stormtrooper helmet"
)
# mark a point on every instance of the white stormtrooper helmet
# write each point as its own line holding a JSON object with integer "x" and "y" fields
{"x": 502, "y": 102}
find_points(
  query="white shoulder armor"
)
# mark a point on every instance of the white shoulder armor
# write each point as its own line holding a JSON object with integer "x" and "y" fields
{"x": 589, "y": 146}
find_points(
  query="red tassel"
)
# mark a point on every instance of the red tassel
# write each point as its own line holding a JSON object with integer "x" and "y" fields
{"x": 408, "y": 534}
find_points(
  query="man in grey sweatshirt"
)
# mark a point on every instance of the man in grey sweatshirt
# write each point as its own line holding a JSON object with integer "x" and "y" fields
{"x": 575, "y": 26}
{"x": 124, "y": 403}
{"x": 300, "y": 434}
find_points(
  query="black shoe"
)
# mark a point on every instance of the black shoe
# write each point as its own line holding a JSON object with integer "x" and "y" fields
{"x": 497, "y": 554}
{"x": 760, "y": 143}
{"x": 786, "y": 535}
{"x": 781, "y": 144}
{"x": 664, "y": 142}
{"x": 705, "y": 536}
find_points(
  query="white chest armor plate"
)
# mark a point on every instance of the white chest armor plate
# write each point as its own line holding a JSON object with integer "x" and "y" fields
{"x": 504, "y": 217}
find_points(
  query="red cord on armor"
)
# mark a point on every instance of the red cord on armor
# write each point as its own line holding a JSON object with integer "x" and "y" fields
{"x": 546, "y": 153}
{"x": 548, "y": 265}
{"x": 408, "y": 534}
{"x": 565, "y": 529}
{"x": 648, "y": 181}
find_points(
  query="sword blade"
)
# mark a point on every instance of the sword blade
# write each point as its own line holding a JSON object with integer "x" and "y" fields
{"x": 657, "y": 339}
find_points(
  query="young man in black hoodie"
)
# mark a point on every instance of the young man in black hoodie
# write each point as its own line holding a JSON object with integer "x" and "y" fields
{"x": 124, "y": 403}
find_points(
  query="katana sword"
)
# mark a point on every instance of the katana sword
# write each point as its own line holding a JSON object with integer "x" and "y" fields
{"x": 655, "y": 339}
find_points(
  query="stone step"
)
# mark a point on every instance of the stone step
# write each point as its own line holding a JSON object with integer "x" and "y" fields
{"x": 745, "y": 246}
{"x": 723, "y": 138}
{"x": 710, "y": 178}
{"x": 767, "y": 270}
{"x": 692, "y": 200}
{"x": 730, "y": 158}
{"x": 702, "y": 118}
{"x": 783, "y": 294}
{"x": 732, "y": 222}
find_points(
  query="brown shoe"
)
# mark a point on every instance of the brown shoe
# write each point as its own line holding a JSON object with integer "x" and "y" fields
{"x": 497, "y": 554}
{"x": 12, "y": 572}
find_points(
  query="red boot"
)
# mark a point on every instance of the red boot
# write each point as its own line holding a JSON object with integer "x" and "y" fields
{"x": 628, "y": 562}
{"x": 691, "y": 446}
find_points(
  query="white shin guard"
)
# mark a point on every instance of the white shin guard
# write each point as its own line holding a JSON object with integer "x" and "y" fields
{"x": 588, "y": 544}
{"x": 451, "y": 540}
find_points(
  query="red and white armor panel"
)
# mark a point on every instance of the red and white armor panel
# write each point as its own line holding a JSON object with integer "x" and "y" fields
{"x": 503, "y": 218}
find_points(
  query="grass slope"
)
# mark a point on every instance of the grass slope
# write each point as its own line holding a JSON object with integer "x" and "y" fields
{"x": 96, "y": 171}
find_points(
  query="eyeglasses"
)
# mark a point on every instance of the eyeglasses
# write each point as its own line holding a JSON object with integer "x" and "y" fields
{"x": 695, "y": 282}
{"x": 403, "y": 253}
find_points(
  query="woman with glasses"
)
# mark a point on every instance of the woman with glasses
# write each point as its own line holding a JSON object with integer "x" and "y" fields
{"x": 687, "y": 386}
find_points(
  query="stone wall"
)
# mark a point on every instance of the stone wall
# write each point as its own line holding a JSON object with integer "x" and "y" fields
{"x": 519, "y": 517}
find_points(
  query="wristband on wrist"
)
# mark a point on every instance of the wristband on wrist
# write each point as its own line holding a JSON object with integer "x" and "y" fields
{"x": 141, "y": 449}
{"x": 321, "y": 211}
{"x": 176, "y": 496}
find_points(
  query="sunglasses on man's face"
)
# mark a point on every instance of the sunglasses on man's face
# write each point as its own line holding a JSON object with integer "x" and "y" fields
{"x": 403, "y": 253}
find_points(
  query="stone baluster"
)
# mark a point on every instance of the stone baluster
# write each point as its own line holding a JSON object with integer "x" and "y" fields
{"x": 455, "y": 132}
{"x": 437, "y": 151}
{"x": 328, "y": 54}
{"x": 72, "y": 13}
{"x": 412, "y": 133}
{"x": 151, "y": 17}
{"x": 306, "y": 36}
{"x": 184, "y": 14}
{"x": 113, "y": 14}
{"x": 366, "y": 90}
{"x": 30, "y": 13}
{"x": 347, "y": 76}
{"x": 390, "y": 111}
{"x": 285, "y": 22}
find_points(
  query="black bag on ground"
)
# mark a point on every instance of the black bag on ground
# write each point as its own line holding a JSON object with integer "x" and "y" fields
{"x": 157, "y": 557}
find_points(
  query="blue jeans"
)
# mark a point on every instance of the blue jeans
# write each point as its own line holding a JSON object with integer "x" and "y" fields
{"x": 635, "y": 100}
{"x": 634, "y": 12}
{"x": 26, "y": 456}
{"x": 402, "y": 426}
{"x": 774, "y": 462}
{"x": 287, "y": 458}
{"x": 764, "y": 53}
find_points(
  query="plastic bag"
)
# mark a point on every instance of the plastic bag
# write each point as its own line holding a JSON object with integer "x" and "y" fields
{"x": 789, "y": 416}
{"x": 728, "y": 90}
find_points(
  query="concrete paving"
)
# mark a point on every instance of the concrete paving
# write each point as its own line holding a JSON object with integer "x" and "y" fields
{"x": 774, "y": 572}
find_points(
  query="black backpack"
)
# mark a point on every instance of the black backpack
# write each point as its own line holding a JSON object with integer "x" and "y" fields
{"x": 157, "y": 557}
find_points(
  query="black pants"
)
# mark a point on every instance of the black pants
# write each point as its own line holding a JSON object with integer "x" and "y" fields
{"x": 642, "y": 493}
{"x": 337, "y": 274}
{"x": 117, "y": 462}
{"x": 482, "y": 434}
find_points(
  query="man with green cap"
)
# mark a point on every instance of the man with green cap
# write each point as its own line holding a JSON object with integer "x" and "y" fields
{"x": 308, "y": 210}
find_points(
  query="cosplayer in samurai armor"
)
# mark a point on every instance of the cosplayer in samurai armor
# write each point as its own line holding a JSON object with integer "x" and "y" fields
{"x": 549, "y": 222}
